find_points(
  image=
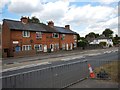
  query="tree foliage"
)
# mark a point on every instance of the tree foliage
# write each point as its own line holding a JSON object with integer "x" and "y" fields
{"x": 108, "y": 33}
{"x": 82, "y": 42}
{"x": 116, "y": 40}
{"x": 34, "y": 20}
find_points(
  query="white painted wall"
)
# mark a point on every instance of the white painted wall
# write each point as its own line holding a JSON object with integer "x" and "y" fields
{"x": 97, "y": 41}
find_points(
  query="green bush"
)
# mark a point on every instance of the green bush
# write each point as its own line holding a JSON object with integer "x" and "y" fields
{"x": 102, "y": 43}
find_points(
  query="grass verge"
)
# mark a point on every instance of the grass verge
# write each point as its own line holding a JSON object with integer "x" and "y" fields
{"x": 113, "y": 69}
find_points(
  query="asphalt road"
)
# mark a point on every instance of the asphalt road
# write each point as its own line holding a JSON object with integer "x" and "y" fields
{"x": 57, "y": 74}
{"x": 93, "y": 60}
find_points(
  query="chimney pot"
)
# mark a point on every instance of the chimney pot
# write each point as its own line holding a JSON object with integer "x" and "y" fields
{"x": 24, "y": 19}
{"x": 67, "y": 26}
{"x": 51, "y": 24}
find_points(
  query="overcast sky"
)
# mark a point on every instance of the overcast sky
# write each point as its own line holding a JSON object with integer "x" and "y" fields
{"x": 83, "y": 16}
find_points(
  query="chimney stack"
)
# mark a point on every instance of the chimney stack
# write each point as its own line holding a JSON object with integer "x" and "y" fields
{"x": 24, "y": 19}
{"x": 51, "y": 24}
{"x": 67, "y": 27}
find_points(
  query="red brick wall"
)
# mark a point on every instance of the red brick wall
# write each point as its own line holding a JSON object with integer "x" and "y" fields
{"x": 8, "y": 36}
{"x": 51, "y": 40}
{"x": 46, "y": 39}
{"x": 5, "y": 36}
{"x": 24, "y": 53}
{"x": 69, "y": 38}
{"x": 6, "y": 40}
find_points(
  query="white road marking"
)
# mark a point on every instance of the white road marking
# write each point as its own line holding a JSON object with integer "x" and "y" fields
{"x": 66, "y": 59}
{"x": 76, "y": 57}
{"x": 94, "y": 54}
{"x": 26, "y": 66}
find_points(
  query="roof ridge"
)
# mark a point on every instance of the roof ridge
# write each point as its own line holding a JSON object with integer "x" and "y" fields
{"x": 10, "y": 20}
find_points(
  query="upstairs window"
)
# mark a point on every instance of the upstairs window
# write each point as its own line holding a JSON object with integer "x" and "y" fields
{"x": 74, "y": 36}
{"x": 38, "y": 35}
{"x": 55, "y": 35}
{"x": 109, "y": 40}
{"x": 63, "y": 36}
{"x": 26, "y": 34}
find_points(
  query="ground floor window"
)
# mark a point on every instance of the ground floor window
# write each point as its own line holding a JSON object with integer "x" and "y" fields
{"x": 26, "y": 47}
{"x": 75, "y": 45}
{"x": 38, "y": 47}
{"x": 57, "y": 46}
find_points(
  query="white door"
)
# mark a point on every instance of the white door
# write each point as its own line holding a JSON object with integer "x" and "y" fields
{"x": 52, "y": 47}
{"x": 71, "y": 46}
{"x": 45, "y": 48}
{"x": 66, "y": 46}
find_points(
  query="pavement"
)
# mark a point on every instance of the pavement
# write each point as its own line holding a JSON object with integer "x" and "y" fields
{"x": 47, "y": 58}
{"x": 93, "y": 83}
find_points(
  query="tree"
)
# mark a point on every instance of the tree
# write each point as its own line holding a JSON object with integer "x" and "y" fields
{"x": 91, "y": 36}
{"x": 82, "y": 42}
{"x": 34, "y": 20}
{"x": 108, "y": 33}
{"x": 78, "y": 37}
{"x": 116, "y": 40}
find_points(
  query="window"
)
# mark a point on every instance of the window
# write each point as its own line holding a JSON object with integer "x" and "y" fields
{"x": 26, "y": 47}
{"x": 109, "y": 40}
{"x": 26, "y": 34}
{"x": 74, "y": 36}
{"x": 63, "y": 36}
{"x": 75, "y": 45}
{"x": 38, "y": 35}
{"x": 38, "y": 47}
{"x": 63, "y": 46}
{"x": 57, "y": 46}
{"x": 55, "y": 35}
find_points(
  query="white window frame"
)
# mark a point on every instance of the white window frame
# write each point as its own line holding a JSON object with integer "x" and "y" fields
{"x": 63, "y": 46}
{"x": 63, "y": 36}
{"x": 75, "y": 45}
{"x": 57, "y": 46}
{"x": 53, "y": 35}
{"x": 75, "y": 37}
{"x": 39, "y": 35}
{"x": 27, "y": 47}
{"x": 40, "y": 47}
{"x": 27, "y": 35}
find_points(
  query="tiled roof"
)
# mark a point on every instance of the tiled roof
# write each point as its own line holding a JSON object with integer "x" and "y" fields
{"x": 63, "y": 30}
{"x": 18, "y": 25}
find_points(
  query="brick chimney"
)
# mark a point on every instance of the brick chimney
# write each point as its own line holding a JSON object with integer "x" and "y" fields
{"x": 24, "y": 20}
{"x": 67, "y": 27}
{"x": 51, "y": 24}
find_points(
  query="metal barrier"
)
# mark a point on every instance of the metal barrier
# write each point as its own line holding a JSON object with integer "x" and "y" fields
{"x": 58, "y": 76}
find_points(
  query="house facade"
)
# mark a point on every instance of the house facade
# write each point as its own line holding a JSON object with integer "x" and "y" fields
{"x": 102, "y": 38}
{"x": 20, "y": 38}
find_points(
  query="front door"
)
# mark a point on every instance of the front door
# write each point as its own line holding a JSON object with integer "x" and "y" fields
{"x": 71, "y": 46}
{"x": 17, "y": 48}
{"x": 67, "y": 47}
{"x": 52, "y": 47}
{"x": 45, "y": 48}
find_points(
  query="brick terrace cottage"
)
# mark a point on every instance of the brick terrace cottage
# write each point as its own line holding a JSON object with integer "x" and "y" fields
{"x": 20, "y": 38}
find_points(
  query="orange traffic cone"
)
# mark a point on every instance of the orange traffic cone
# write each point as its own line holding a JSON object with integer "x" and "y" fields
{"x": 92, "y": 75}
